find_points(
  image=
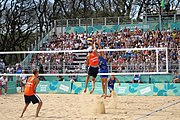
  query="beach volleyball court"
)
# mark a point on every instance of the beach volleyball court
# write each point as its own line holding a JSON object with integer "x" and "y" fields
{"x": 84, "y": 107}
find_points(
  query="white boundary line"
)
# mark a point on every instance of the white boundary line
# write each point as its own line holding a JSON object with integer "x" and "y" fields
{"x": 157, "y": 110}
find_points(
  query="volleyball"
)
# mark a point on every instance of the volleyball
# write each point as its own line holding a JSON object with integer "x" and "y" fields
{"x": 89, "y": 41}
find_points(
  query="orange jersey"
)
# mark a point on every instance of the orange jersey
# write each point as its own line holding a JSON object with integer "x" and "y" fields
{"x": 93, "y": 59}
{"x": 29, "y": 88}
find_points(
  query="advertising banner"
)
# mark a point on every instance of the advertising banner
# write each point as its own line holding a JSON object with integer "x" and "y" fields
{"x": 134, "y": 89}
{"x": 78, "y": 87}
{"x": 167, "y": 89}
{"x": 54, "y": 87}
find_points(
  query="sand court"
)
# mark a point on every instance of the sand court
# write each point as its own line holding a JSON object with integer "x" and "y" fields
{"x": 84, "y": 107}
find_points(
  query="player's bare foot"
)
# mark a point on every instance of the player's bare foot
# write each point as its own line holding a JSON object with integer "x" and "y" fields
{"x": 108, "y": 95}
{"x": 92, "y": 91}
{"x": 84, "y": 90}
{"x": 21, "y": 116}
{"x": 105, "y": 96}
{"x": 102, "y": 95}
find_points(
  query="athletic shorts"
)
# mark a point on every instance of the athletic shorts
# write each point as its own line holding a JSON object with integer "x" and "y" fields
{"x": 93, "y": 71}
{"x": 136, "y": 81}
{"x": 23, "y": 84}
{"x": 103, "y": 71}
{"x": 3, "y": 86}
{"x": 110, "y": 88}
{"x": 34, "y": 99}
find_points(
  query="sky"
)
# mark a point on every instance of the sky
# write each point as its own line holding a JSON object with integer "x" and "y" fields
{"x": 52, "y": 1}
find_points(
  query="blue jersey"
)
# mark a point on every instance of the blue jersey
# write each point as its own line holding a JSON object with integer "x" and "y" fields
{"x": 102, "y": 63}
{"x": 136, "y": 77}
{"x": 19, "y": 70}
{"x": 103, "y": 67}
{"x": 111, "y": 82}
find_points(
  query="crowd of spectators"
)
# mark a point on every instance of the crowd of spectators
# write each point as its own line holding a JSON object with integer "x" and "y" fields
{"x": 121, "y": 61}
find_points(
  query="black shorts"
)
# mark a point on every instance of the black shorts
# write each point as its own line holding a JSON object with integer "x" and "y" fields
{"x": 34, "y": 99}
{"x": 93, "y": 71}
{"x": 136, "y": 81}
{"x": 23, "y": 84}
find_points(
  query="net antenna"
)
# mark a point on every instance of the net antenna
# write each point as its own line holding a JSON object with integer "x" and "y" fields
{"x": 157, "y": 59}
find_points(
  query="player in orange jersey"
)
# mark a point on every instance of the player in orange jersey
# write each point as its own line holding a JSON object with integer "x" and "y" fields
{"x": 30, "y": 92}
{"x": 92, "y": 63}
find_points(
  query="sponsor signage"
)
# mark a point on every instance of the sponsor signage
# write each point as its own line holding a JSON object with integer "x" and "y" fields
{"x": 54, "y": 87}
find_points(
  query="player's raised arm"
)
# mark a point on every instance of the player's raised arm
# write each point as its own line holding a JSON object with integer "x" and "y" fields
{"x": 94, "y": 48}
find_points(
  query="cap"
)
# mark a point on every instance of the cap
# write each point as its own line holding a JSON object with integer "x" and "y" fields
{"x": 89, "y": 49}
{"x": 4, "y": 74}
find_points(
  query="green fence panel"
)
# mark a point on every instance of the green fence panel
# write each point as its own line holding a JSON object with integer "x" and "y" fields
{"x": 145, "y": 78}
{"x": 175, "y": 25}
{"x": 162, "y": 78}
{"x": 55, "y": 78}
{"x": 107, "y": 28}
{"x": 51, "y": 78}
{"x": 166, "y": 78}
{"x": 11, "y": 88}
{"x": 81, "y": 78}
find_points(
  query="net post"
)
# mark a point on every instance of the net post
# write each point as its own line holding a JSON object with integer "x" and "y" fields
{"x": 167, "y": 60}
{"x": 144, "y": 66}
{"x": 118, "y": 20}
{"x": 79, "y": 22}
{"x": 49, "y": 68}
{"x": 67, "y": 24}
{"x": 111, "y": 67}
{"x": 157, "y": 64}
{"x": 92, "y": 23}
{"x": 64, "y": 67}
{"x": 105, "y": 21}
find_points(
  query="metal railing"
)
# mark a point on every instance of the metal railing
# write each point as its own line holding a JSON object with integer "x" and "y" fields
{"x": 126, "y": 68}
{"x": 93, "y": 21}
{"x": 115, "y": 20}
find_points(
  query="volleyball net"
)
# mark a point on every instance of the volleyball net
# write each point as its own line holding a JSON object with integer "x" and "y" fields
{"x": 71, "y": 62}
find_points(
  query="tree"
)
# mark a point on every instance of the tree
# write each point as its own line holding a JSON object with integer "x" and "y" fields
{"x": 21, "y": 20}
{"x": 17, "y": 26}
